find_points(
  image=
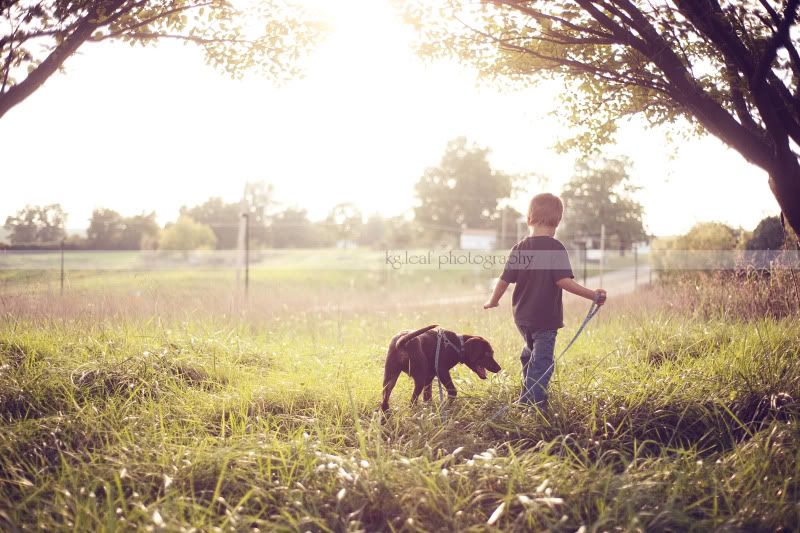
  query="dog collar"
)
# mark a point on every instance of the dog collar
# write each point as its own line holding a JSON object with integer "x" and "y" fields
{"x": 458, "y": 348}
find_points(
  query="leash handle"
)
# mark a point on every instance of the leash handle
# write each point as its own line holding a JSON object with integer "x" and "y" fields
{"x": 599, "y": 298}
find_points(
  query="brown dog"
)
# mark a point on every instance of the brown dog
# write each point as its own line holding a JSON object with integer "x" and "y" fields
{"x": 414, "y": 353}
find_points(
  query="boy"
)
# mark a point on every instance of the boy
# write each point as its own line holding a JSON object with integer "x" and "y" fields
{"x": 539, "y": 265}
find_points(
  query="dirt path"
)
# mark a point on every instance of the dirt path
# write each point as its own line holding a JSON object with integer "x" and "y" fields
{"x": 617, "y": 283}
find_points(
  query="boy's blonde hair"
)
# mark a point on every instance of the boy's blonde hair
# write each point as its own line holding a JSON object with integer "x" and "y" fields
{"x": 546, "y": 210}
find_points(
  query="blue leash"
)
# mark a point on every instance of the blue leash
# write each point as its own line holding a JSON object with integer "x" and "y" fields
{"x": 439, "y": 336}
{"x": 436, "y": 367}
{"x": 592, "y": 312}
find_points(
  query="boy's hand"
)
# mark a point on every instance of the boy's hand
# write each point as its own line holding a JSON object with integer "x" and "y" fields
{"x": 494, "y": 300}
{"x": 600, "y": 296}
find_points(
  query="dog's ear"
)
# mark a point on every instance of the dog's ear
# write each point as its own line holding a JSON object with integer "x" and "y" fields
{"x": 471, "y": 343}
{"x": 476, "y": 342}
{"x": 475, "y": 347}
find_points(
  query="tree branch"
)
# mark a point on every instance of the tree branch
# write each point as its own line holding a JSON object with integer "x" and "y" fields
{"x": 759, "y": 76}
{"x": 735, "y": 83}
{"x": 150, "y": 20}
{"x": 686, "y": 91}
{"x": 539, "y": 16}
{"x": 55, "y": 59}
{"x": 190, "y": 38}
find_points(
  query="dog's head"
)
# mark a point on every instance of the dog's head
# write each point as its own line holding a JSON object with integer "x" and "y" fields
{"x": 479, "y": 356}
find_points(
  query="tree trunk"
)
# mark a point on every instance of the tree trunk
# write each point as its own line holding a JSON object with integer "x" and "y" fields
{"x": 786, "y": 188}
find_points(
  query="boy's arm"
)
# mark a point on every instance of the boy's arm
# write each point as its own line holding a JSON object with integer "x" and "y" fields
{"x": 570, "y": 285}
{"x": 499, "y": 289}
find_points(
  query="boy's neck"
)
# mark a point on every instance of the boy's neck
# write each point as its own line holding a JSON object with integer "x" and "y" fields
{"x": 542, "y": 231}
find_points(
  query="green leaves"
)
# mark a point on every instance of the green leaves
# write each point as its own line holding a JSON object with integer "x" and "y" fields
{"x": 462, "y": 191}
{"x": 610, "y": 54}
{"x": 271, "y": 36}
{"x": 600, "y": 192}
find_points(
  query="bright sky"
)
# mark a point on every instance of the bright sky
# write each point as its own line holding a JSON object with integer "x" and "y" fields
{"x": 137, "y": 129}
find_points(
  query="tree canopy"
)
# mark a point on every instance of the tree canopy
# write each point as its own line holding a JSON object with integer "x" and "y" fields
{"x": 223, "y": 218}
{"x": 37, "y": 225}
{"x": 463, "y": 190}
{"x": 108, "y": 230}
{"x": 727, "y": 67}
{"x": 344, "y": 222}
{"x": 708, "y": 236}
{"x": 768, "y": 235}
{"x": 186, "y": 234}
{"x": 600, "y": 192}
{"x": 291, "y": 228}
{"x": 36, "y": 38}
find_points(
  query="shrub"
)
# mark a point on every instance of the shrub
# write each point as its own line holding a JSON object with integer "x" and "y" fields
{"x": 186, "y": 235}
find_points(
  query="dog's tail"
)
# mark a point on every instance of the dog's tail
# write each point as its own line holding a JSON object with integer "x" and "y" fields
{"x": 408, "y": 336}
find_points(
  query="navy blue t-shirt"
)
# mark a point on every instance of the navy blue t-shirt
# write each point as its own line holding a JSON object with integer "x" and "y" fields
{"x": 535, "y": 264}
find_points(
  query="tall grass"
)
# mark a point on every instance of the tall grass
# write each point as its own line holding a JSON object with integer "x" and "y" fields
{"x": 662, "y": 418}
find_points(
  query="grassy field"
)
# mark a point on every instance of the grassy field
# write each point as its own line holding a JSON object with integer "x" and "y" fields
{"x": 171, "y": 402}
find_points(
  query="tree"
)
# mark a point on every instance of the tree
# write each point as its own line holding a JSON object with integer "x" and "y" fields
{"x": 291, "y": 228}
{"x": 507, "y": 227}
{"x": 462, "y": 191}
{"x": 344, "y": 222}
{"x": 768, "y": 235}
{"x": 257, "y": 201}
{"x": 105, "y": 229}
{"x": 402, "y": 233}
{"x": 141, "y": 232}
{"x": 707, "y": 245}
{"x": 600, "y": 193}
{"x": 37, "y": 37}
{"x": 730, "y": 68}
{"x": 186, "y": 235}
{"x": 708, "y": 236}
{"x": 224, "y": 219}
{"x": 108, "y": 230}
{"x": 374, "y": 231}
{"x": 37, "y": 225}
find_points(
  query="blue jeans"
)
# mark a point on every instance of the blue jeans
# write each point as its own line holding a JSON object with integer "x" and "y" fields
{"x": 537, "y": 364}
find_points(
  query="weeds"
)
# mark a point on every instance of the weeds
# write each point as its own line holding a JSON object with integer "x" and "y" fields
{"x": 660, "y": 419}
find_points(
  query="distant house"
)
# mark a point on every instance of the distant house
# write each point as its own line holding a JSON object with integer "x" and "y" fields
{"x": 346, "y": 244}
{"x": 478, "y": 239}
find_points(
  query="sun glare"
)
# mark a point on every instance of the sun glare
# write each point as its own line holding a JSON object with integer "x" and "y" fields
{"x": 360, "y": 126}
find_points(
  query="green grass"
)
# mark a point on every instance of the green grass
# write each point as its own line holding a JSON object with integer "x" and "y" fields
{"x": 134, "y": 417}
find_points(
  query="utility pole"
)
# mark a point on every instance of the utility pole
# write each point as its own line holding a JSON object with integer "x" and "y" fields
{"x": 602, "y": 252}
{"x": 503, "y": 229}
{"x": 584, "y": 259}
{"x": 62, "y": 267}
{"x": 635, "y": 266}
{"x": 246, "y": 252}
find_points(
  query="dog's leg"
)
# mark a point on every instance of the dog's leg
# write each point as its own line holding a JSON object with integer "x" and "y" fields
{"x": 427, "y": 392}
{"x": 390, "y": 375}
{"x": 418, "y": 386}
{"x": 447, "y": 381}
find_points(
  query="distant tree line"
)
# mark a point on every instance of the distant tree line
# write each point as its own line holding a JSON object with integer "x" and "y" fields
{"x": 462, "y": 191}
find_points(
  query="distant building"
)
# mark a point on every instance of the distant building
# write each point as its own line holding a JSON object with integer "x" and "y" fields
{"x": 478, "y": 239}
{"x": 346, "y": 244}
